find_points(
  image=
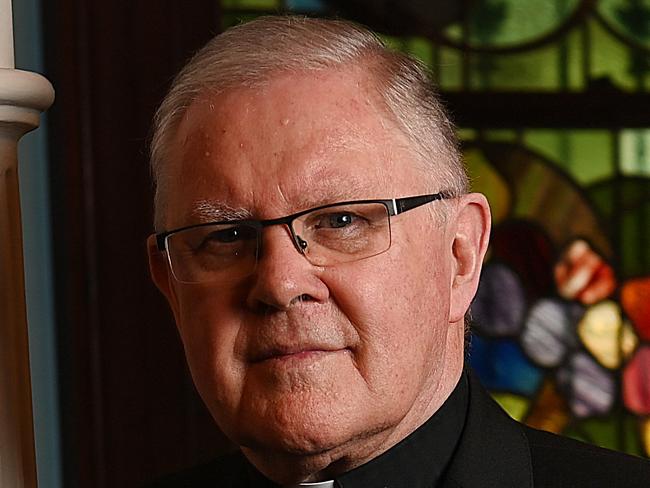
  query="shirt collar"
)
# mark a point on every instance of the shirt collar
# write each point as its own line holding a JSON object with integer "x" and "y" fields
{"x": 420, "y": 459}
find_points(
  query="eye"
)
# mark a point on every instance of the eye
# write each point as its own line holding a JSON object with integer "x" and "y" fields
{"x": 229, "y": 235}
{"x": 336, "y": 220}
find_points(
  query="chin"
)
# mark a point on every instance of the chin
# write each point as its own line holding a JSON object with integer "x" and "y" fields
{"x": 304, "y": 426}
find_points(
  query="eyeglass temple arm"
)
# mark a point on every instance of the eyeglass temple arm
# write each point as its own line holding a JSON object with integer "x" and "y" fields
{"x": 409, "y": 203}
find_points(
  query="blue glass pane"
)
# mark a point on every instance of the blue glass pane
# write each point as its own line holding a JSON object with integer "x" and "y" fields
{"x": 306, "y": 5}
{"x": 502, "y": 366}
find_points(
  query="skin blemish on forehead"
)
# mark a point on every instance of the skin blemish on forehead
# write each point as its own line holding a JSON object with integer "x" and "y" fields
{"x": 285, "y": 121}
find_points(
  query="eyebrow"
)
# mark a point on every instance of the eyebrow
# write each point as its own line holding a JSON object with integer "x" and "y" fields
{"x": 212, "y": 210}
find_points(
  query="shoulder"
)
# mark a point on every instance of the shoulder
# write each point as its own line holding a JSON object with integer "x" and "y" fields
{"x": 226, "y": 471}
{"x": 559, "y": 461}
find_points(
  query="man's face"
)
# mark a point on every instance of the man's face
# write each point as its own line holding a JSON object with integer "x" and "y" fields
{"x": 298, "y": 357}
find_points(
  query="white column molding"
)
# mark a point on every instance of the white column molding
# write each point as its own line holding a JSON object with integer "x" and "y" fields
{"x": 23, "y": 96}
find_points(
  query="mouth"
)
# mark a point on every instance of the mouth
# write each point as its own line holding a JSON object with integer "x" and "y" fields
{"x": 295, "y": 354}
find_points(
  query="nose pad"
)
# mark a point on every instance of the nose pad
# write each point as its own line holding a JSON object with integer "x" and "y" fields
{"x": 301, "y": 244}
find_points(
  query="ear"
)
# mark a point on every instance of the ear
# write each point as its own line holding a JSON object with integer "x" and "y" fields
{"x": 161, "y": 274}
{"x": 471, "y": 234}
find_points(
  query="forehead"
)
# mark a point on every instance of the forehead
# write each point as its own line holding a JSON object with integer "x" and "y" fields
{"x": 300, "y": 140}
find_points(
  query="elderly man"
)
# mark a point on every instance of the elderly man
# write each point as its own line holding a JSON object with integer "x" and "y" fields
{"x": 319, "y": 249}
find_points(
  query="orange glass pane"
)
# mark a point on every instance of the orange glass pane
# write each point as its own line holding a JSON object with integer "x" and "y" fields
{"x": 635, "y": 298}
{"x": 550, "y": 412}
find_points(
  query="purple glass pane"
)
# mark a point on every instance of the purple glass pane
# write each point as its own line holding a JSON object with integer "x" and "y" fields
{"x": 590, "y": 389}
{"x": 500, "y": 303}
{"x": 549, "y": 331}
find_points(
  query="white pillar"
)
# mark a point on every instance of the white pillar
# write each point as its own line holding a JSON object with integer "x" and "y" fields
{"x": 23, "y": 96}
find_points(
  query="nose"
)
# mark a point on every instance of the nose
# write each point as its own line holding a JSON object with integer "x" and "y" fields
{"x": 283, "y": 275}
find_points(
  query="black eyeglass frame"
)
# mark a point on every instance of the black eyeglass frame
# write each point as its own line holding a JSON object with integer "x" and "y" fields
{"x": 394, "y": 206}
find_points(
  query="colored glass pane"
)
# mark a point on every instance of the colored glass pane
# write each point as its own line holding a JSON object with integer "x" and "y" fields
{"x": 590, "y": 389}
{"x": 613, "y": 60}
{"x": 547, "y": 196}
{"x": 645, "y": 435}
{"x": 251, "y": 4}
{"x": 532, "y": 70}
{"x": 499, "y": 306}
{"x": 635, "y": 297}
{"x": 630, "y": 18}
{"x": 636, "y": 382}
{"x": 634, "y": 154}
{"x": 449, "y": 68}
{"x": 549, "y": 331}
{"x": 624, "y": 203}
{"x": 502, "y": 23}
{"x": 635, "y": 251}
{"x": 532, "y": 262}
{"x": 550, "y": 411}
{"x": 232, "y": 19}
{"x": 605, "y": 335}
{"x": 305, "y": 5}
{"x": 587, "y": 155}
{"x": 420, "y": 48}
{"x": 581, "y": 274}
{"x": 515, "y": 405}
{"x": 617, "y": 430}
{"x": 486, "y": 180}
{"x": 502, "y": 366}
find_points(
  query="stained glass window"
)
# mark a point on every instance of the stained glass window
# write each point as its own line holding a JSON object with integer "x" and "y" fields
{"x": 567, "y": 348}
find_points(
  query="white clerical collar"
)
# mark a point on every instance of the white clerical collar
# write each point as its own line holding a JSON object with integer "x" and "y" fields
{"x": 317, "y": 484}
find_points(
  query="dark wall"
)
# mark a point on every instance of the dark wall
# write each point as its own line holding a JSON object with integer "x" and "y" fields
{"x": 129, "y": 410}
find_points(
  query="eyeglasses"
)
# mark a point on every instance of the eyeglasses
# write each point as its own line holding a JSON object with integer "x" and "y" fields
{"x": 327, "y": 235}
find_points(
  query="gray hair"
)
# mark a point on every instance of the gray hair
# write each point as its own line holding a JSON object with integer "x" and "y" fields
{"x": 248, "y": 55}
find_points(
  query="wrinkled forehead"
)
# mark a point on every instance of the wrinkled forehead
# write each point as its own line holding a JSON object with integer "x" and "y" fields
{"x": 295, "y": 142}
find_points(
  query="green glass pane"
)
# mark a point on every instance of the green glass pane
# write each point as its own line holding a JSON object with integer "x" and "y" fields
{"x": 251, "y": 4}
{"x": 611, "y": 59}
{"x": 449, "y": 69}
{"x": 420, "y": 48}
{"x": 393, "y": 42}
{"x": 634, "y": 153}
{"x": 465, "y": 134}
{"x": 618, "y": 431}
{"x": 531, "y": 70}
{"x": 232, "y": 19}
{"x": 502, "y": 23}
{"x": 624, "y": 204}
{"x": 485, "y": 179}
{"x": 500, "y": 135}
{"x": 635, "y": 254}
{"x": 515, "y": 405}
{"x": 587, "y": 155}
{"x": 630, "y": 18}
{"x": 571, "y": 59}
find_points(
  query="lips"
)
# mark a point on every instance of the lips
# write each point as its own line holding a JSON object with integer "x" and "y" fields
{"x": 296, "y": 351}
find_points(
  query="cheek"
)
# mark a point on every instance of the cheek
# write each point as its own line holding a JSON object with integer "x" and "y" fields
{"x": 399, "y": 314}
{"x": 210, "y": 331}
